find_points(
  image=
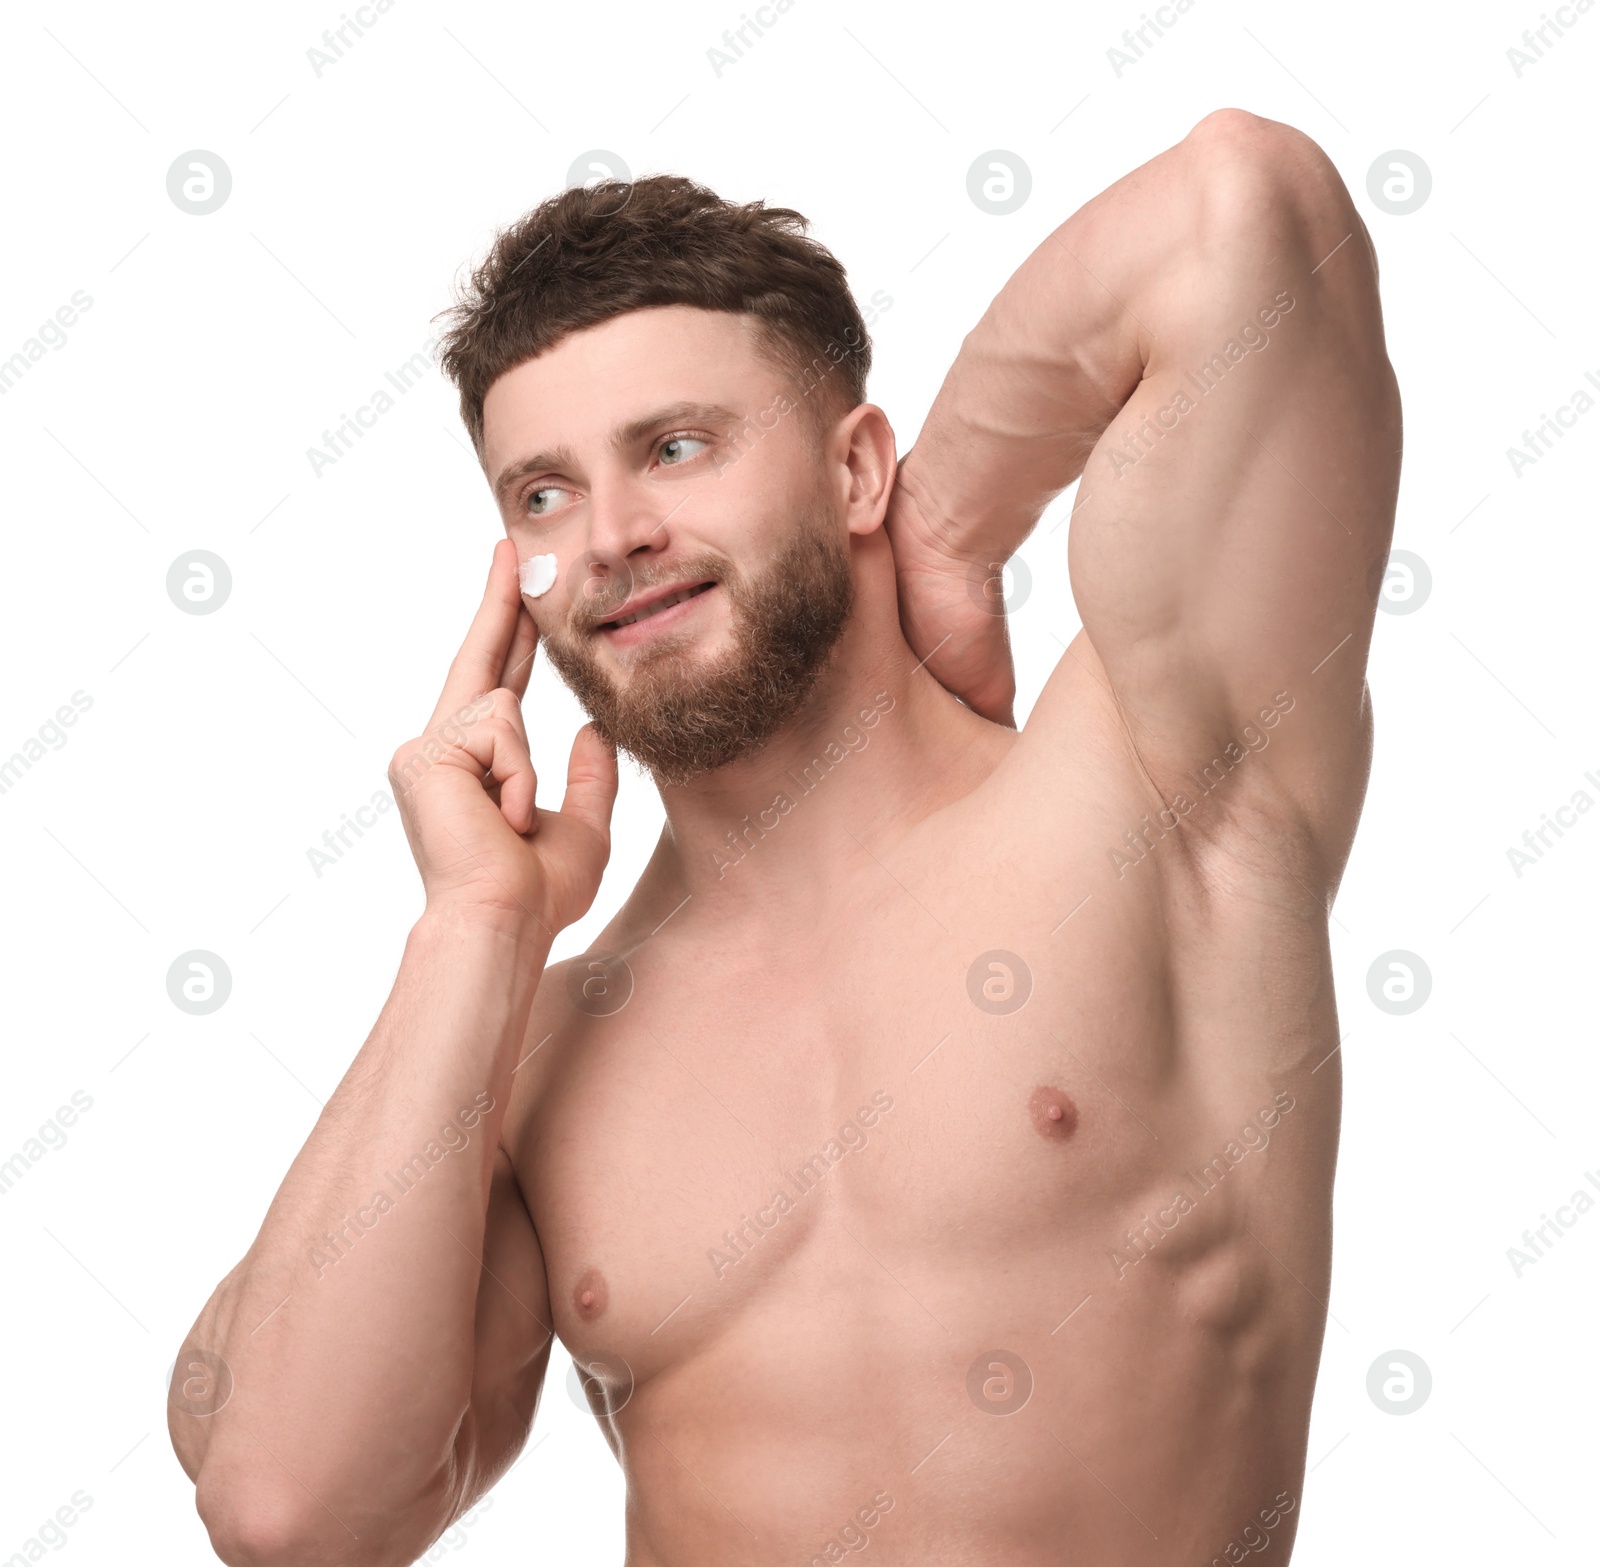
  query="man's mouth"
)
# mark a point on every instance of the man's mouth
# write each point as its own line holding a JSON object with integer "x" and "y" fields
{"x": 645, "y": 606}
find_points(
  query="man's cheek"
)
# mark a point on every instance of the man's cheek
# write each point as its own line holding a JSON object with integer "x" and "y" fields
{"x": 537, "y": 575}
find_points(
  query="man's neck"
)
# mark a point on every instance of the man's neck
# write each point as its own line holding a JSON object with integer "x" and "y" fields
{"x": 878, "y": 745}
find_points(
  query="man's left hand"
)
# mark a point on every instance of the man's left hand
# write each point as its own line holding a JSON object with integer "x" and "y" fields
{"x": 952, "y": 608}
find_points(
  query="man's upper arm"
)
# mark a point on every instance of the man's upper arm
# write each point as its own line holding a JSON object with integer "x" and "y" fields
{"x": 1233, "y": 520}
{"x": 512, "y": 1338}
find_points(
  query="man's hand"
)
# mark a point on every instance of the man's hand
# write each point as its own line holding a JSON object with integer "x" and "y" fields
{"x": 466, "y": 787}
{"x": 951, "y": 604}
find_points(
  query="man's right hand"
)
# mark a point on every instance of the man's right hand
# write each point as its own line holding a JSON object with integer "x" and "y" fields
{"x": 466, "y": 787}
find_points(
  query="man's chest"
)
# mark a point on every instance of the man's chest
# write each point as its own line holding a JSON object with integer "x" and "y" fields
{"x": 941, "y": 1082}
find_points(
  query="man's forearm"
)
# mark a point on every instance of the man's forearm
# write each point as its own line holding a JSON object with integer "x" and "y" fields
{"x": 346, "y": 1332}
{"x": 1059, "y": 351}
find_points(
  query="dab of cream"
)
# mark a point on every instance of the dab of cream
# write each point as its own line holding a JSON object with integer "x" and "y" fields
{"x": 538, "y": 574}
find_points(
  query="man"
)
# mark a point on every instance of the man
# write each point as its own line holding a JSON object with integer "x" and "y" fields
{"x": 935, "y": 1151}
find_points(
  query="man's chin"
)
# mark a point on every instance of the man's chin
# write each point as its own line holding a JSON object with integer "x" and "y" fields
{"x": 685, "y": 701}
{"x": 676, "y": 710}
{"x": 639, "y": 698}
{"x": 685, "y": 649}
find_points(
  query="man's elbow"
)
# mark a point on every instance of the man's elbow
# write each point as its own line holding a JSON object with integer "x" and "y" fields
{"x": 256, "y": 1523}
{"x": 254, "y": 1527}
{"x": 1260, "y": 176}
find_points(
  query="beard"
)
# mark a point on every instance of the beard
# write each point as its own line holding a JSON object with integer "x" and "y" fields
{"x": 681, "y": 717}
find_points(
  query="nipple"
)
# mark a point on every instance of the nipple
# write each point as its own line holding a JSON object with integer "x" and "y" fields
{"x": 1053, "y": 1113}
{"x": 589, "y": 1294}
{"x": 537, "y": 575}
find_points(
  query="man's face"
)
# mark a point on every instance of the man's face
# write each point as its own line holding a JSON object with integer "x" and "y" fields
{"x": 702, "y": 566}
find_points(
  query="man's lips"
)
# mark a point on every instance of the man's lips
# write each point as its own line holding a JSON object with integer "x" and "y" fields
{"x": 653, "y": 604}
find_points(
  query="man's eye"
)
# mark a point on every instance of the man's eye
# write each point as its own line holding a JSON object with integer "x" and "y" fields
{"x": 679, "y": 448}
{"x": 536, "y": 505}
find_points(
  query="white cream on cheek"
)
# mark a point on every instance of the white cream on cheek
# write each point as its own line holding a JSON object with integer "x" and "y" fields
{"x": 538, "y": 575}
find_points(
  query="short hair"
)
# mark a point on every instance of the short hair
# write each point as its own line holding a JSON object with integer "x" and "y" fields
{"x": 597, "y": 251}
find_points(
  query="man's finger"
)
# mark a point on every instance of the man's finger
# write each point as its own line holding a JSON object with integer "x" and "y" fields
{"x": 477, "y": 667}
{"x": 498, "y": 749}
{"x": 591, "y": 782}
{"x": 994, "y": 698}
{"x": 519, "y": 661}
{"x": 983, "y": 675}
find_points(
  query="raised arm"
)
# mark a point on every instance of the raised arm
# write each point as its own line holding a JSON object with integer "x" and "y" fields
{"x": 373, "y": 1363}
{"x": 1203, "y": 343}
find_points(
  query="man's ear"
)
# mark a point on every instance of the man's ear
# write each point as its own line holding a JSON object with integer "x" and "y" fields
{"x": 866, "y": 442}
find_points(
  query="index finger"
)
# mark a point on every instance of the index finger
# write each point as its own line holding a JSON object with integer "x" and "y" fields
{"x": 484, "y": 652}
{"x": 519, "y": 661}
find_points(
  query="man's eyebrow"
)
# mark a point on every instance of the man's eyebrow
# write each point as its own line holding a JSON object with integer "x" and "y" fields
{"x": 634, "y": 430}
{"x": 625, "y": 435}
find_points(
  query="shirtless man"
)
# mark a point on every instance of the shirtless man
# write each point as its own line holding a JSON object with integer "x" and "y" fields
{"x": 928, "y": 1155}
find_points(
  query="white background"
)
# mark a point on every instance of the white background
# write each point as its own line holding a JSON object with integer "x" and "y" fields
{"x": 218, "y": 748}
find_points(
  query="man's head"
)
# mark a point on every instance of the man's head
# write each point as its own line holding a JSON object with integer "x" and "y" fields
{"x": 666, "y": 392}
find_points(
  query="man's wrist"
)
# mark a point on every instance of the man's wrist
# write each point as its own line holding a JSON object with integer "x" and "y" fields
{"x": 477, "y": 968}
{"x": 935, "y": 519}
{"x": 454, "y": 925}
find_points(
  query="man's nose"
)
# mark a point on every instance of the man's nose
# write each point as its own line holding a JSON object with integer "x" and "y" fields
{"x": 627, "y": 527}
{"x": 626, "y": 520}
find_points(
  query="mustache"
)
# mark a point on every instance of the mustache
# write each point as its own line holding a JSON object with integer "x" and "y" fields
{"x": 598, "y": 598}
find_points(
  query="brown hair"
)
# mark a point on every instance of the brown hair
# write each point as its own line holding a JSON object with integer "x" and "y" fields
{"x": 595, "y": 252}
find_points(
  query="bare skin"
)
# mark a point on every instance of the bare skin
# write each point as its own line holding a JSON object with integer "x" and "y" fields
{"x": 1033, "y": 1032}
